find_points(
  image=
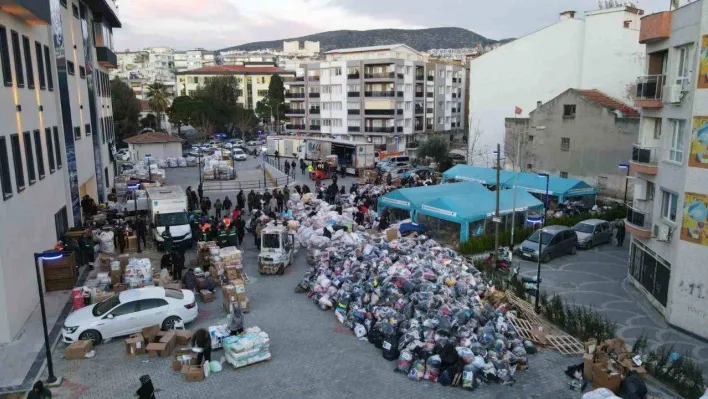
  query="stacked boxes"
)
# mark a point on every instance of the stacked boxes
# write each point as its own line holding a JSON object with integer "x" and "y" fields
{"x": 605, "y": 363}
{"x": 229, "y": 264}
{"x": 235, "y": 294}
{"x": 154, "y": 342}
{"x": 204, "y": 251}
{"x": 78, "y": 349}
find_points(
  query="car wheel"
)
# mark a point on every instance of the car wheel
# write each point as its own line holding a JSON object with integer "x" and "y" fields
{"x": 91, "y": 335}
{"x": 169, "y": 322}
{"x": 589, "y": 245}
{"x": 574, "y": 250}
{"x": 546, "y": 258}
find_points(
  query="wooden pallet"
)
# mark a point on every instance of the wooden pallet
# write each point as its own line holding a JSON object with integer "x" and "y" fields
{"x": 566, "y": 344}
{"x": 523, "y": 328}
{"x": 528, "y": 312}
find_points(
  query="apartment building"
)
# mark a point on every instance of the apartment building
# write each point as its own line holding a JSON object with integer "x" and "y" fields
{"x": 252, "y": 80}
{"x": 380, "y": 94}
{"x": 55, "y": 141}
{"x": 141, "y": 68}
{"x": 669, "y": 163}
{"x": 193, "y": 59}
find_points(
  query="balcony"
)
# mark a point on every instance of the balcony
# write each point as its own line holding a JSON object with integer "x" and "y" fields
{"x": 295, "y": 112}
{"x": 644, "y": 159}
{"x": 30, "y": 11}
{"x": 353, "y": 111}
{"x": 419, "y": 110}
{"x": 430, "y": 95}
{"x": 655, "y": 27}
{"x": 638, "y": 222}
{"x": 419, "y": 94}
{"x": 372, "y": 129}
{"x": 314, "y": 95}
{"x": 399, "y": 94}
{"x": 315, "y": 111}
{"x": 299, "y": 79}
{"x": 353, "y": 94}
{"x": 106, "y": 58}
{"x": 377, "y": 112}
{"x": 295, "y": 95}
{"x": 412, "y": 144}
{"x": 650, "y": 90}
{"x": 428, "y": 110}
{"x": 315, "y": 127}
{"x": 418, "y": 128}
{"x": 419, "y": 77}
{"x": 431, "y": 78}
{"x": 379, "y": 94}
{"x": 399, "y": 129}
{"x": 353, "y": 129}
{"x": 294, "y": 127}
{"x": 384, "y": 75}
{"x": 313, "y": 78}
{"x": 353, "y": 75}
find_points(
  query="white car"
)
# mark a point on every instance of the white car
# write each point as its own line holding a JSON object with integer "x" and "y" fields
{"x": 228, "y": 145}
{"x": 129, "y": 312}
{"x": 237, "y": 142}
{"x": 239, "y": 155}
{"x": 253, "y": 143}
{"x": 123, "y": 154}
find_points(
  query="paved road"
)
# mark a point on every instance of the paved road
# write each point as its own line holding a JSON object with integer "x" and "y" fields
{"x": 597, "y": 278}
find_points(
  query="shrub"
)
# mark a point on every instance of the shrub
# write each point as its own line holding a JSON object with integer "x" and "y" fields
{"x": 683, "y": 375}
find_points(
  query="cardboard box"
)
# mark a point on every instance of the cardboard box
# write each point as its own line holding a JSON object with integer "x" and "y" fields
{"x": 391, "y": 234}
{"x": 170, "y": 339}
{"x": 123, "y": 259}
{"x": 185, "y": 369}
{"x": 627, "y": 365}
{"x": 116, "y": 277}
{"x": 183, "y": 337}
{"x": 133, "y": 242}
{"x": 150, "y": 333}
{"x": 196, "y": 373}
{"x": 201, "y": 283}
{"x": 241, "y": 297}
{"x": 588, "y": 361}
{"x": 245, "y": 305}
{"x": 135, "y": 346}
{"x": 604, "y": 376}
{"x": 183, "y": 357}
{"x": 104, "y": 263}
{"x": 78, "y": 349}
{"x": 206, "y": 296}
{"x": 590, "y": 345}
{"x": 156, "y": 349}
{"x": 239, "y": 286}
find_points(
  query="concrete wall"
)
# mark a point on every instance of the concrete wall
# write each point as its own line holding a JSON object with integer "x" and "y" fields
{"x": 157, "y": 150}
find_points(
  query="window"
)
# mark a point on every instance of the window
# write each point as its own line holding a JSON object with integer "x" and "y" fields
{"x": 5, "y": 183}
{"x": 337, "y": 71}
{"x": 657, "y": 128}
{"x": 75, "y": 10}
{"x": 48, "y": 63}
{"x": 50, "y": 149}
{"x": 669, "y": 205}
{"x": 676, "y": 145}
{"x": 125, "y": 309}
{"x": 569, "y": 110}
{"x": 40, "y": 65}
{"x": 195, "y": 79}
{"x": 530, "y": 138}
{"x": 564, "y": 175}
{"x": 39, "y": 152}
{"x": 353, "y": 106}
{"x": 152, "y": 303}
{"x": 29, "y": 157}
{"x": 326, "y": 122}
{"x": 565, "y": 143}
{"x": 5, "y": 57}
{"x": 105, "y": 177}
{"x": 63, "y": 3}
{"x": 82, "y": 72}
{"x": 529, "y": 166}
{"x": 70, "y": 67}
{"x": 683, "y": 72}
{"x": 353, "y": 122}
{"x": 651, "y": 189}
{"x": 77, "y": 132}
{"x": 325, "y": 90}
{"x": 28, "y": 62}
{"x": 440, "y": 120}
{"x": 17, "y": 53}
{"x": 407, "y": 123}
{"x": 441, "y": 90}
{"x": 17, "y": 160}
{"x": 408, "y": 105}
{"x": 87, "y": 127}
{"x": 336, "y": 123}
{"x": 57, "y": 146}
{"x": 442, "y": 74}
{"x": 408, "y": 70}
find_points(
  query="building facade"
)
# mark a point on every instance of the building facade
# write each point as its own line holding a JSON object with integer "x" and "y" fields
{"x": 381, "y": 94}
{"x": 193, "y": 59}
{"x": 55, "y": 143}
{"x": 599, "y": 52}
{"x": 252, "y": 80}
{"x": 668, "y": 215}
{"x": 141, "y": 68}
{"x": 579, "y": 134}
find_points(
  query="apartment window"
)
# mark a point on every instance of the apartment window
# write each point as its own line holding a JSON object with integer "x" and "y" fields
{"x": 75, "y": 10}
{"x": 336, "y": 123}
{"x": 657, "y": 128}
{"x": 88, "y": 129}
{"x": 70, "y": 67}
{"x": 326, "y": 122}
{"x": 105, "y": 177}
{"x": 353, "y": 106}
{"x": 82, "y": 72}
{"x": 40, "y": 154}
{"x": 569, "y": 110}
{"x": 5, "y": 57}
{"x": 409, "y": 89}
{"x": 530, "y": 138}
{"x": 683, "y": 72}
{"x": 336, "y": 89}
{"x": 195, "y": 79}
{"x": 28, "y": 62}
{"x": 441, "y": 90}
{"x": 40, "y": 65}
{"x": 442, "y": 74}
{"x": 50, "y": 149}
{"x": 407, "y": 123}
{"x": 353, "y": 122}
{"x": 677, "y": 137}
{"x": 5, "y": 183}
{"x": 57, "y": 146}
{"x": 326, "y": 89}
{"x": 29, "y": 157}
{"x": 17, "y": 53}
{"x": 63, "y": 3}
{"x": 48, "y": 63}
{"x": 651, "y": 190}
{"x": 669, "y": 205}
{"x": 408, "y": 70}
{"x": 17, "y": 160}
{"x": 564, "y": 175}
{"x": 440, "y": 120}
{"x": 565, "y": 143}
{"x": 337, "y": 71}
{"x": 408, "y": 105}
{"x": 77, "y": 132}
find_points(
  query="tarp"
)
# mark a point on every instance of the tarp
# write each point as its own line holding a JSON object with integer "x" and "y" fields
{"x": 487, "y": 176}
{"x": 411, "y": 198}
{"x": 479, "y": 206}
{"x": 557, "y": 186}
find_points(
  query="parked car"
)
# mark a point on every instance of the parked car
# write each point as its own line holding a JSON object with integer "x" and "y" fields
{"x": 592, "y": 232}
{"x": 422, "y": 171}
{"x": 237, "y": 142}
{"x": 227, "y": 145}
{"x": 239, "y": 154}
{"x": 399, "y": 171}
{"x": 129, "y": 312}
{"x": 253, "y": 143}
{"x": 456, "y": 158}
{"x": 392, "y": 160}
{"x": 555, "y": 241}
{"x": 389, "y": 167}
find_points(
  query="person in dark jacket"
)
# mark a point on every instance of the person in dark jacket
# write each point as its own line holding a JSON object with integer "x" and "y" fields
{"x": 240, "y": 229}
{"x": 39, "y": 391}
{"x": 620, "y": 234}
{"x": 119, "y": 236}
{"x": 227, "y": 204}
{"x": 177, "y": 264}
{"x": 286, "y": 168}
{"x": 305, "y": 189}
{"x": 200, "y": 192}
{"x": 208, "y": 205}
{"x": 202, "y": 342}
{"x": 217, "y": 208}
{"x": 166, "y": 261}
{"x": 141, "y": 231}
{"x": 292, "y": 168}
{"x": 236, "y": 322}
{"x": 251, "y": 201}
{"x": 303, "y": 166}
{"x": 190, "y": 280}
{"x": 241, "y": 200}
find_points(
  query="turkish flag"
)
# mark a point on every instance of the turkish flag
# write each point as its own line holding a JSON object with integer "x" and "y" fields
{"x": 518, "y": 111}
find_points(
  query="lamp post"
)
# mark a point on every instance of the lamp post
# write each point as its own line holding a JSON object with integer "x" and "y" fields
{"x": 199, "y": 165}
{"x": 626, "y": 181}
{"x": 540, "y": 241}
{"x": 134, "y": 188}
{"x": 53, "y": 255}
{"x": 497, "y": 219}
{"x": 148, "y": 156}
{"x": 233, "y": 165}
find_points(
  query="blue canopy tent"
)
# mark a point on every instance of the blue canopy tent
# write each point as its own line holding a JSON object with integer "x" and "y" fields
{"x": 486, "y": 176}
{"x": 560, "y": 187}
{"x": 410, "y": 199}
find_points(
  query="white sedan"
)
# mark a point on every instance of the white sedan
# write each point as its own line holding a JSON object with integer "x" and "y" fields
{"x": 253, "y": 143}
{"x": 239, "y": 155}
{"x": 129, "y": 312}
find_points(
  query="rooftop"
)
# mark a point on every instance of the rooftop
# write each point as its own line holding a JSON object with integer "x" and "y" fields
{"x": 608, "y": 102}
{"x": 152, "y": 137}
{"x": 369, "y": 48}
{"x": 234, "y": 70}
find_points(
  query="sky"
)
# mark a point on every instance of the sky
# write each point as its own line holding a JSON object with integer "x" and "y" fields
{"x": 215, "y": 24}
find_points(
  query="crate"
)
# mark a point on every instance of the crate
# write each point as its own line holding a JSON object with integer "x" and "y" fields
{"x": 60, "y": 274}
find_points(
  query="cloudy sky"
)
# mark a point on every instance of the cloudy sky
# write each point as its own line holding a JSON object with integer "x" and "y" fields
{"x": 215, "y": 24}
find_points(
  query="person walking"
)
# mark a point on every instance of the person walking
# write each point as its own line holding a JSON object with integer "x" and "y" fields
{"x": 281, "y": 200}
{"x": 141, "y": 231}
{"x": 286, "y": 167}
{"x": 257, "y": 234}
{"x": 286, "y": 194}
{"x": 241, "y": 200}
{"x": 167, "y": 239}
{"x": 217, "y": 208}
{"x": 292, "y": 167}
{"x": 303, "y": 166}
{"x": 119, "y": 233}
{"x": 200, "y": 192}
{"x": 240, "y": 230}
{"x": 208, "y": 206}
{"x": 227, "y": 204}
{"x": 177, "y": 264}
{"x": 251, "y": 201}
{"x": 190, "y": 204}
{"x": 620, "y": 234}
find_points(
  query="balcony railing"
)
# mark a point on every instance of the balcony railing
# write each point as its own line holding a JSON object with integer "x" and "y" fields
{"x": 353, "y": 111}
{"x": 315, "y": 127}
{"x": 428, "y": 110}
{"x": 419, "y": 77}
{"x": 294, "y": 95}
{"x": 385, "y": 75}
{"x": 643, "y": 154}
{"x": 412, "y": 144}
{"x": 418, "y": 127}
{"x": 379, "y": 111}
{"x": 353, "y": 94}
{"x": 419, "y": 110}
{"x": 431, "y": 78}
{"x": 353, "y": 75}
{"x": 419, "y": 94}
{"x": 650, "y": 87}
{"x": 430, "y": 95}
{"x": 299, "y": 78}
{"x": 379, "y": 94}
{"x": 313, "y": 78}
{"x": 399, "y": 112}
{"x": 353, "y": 128}
{"x": 371, "y": 129}
{"x": 314, "y": 95}
{"x": 314, "y": 111}
{"x": 294, "y": 127}
{"x": 295, "y": 111}
{"x": 639, "y": 219}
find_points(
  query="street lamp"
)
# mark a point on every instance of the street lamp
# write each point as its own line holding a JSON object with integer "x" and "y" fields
{"x": 148, "y": 156}
{"x": 199, "y": 164}
{"x": 540, "y": 240}
{"x": 626, "y": 181}
{"x": 134, "y": 188}
{"x": 50, "y": 255}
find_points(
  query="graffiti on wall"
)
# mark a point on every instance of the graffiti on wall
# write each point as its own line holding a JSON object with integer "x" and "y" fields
{"x": 695, "y": 218}
{"x": 703, "y": 66}
{"x": 698, "y": 151}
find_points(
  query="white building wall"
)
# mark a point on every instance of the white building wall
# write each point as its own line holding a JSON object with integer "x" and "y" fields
{"x": 156, "y": 150}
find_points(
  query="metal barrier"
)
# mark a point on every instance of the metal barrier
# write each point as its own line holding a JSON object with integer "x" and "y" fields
{"x": 236, "y": 185}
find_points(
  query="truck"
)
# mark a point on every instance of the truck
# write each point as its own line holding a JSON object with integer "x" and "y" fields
{"x": 167, "y": 206}
{"x": 354, "y": 156}
{"x": 277, "y": 248}
{"x": 288, "y": 147}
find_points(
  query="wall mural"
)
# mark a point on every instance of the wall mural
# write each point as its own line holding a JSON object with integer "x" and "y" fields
{"x": 698, "y": 152}
{"x": 695, "y": 218}
{"x": 703, "y": 66}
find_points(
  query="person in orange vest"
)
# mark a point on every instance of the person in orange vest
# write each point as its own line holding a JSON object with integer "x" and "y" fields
{"x": 205, "y": 231}
{"x": 227, "y": 222}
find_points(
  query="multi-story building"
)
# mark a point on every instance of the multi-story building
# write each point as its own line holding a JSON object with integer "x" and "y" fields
{"x": 379, "y": 94}
{"x": 308, "y": 49}
{"x": 668, "y": 216}
{"x": 54, "y": 146}
{"x": 141, "y": 68}
{"x": 193, "y": 59}
{"x": 252, "y": 80}
{"x": 599, "y": 52}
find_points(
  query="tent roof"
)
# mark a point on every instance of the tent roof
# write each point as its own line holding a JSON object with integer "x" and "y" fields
{"x": 413, "y": 197}
{"x": 534, "y": 183}
{"x": 478, "y": 206}
{"x": 477, "y": 174}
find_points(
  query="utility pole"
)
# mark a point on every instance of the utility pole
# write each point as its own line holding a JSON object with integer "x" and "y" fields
{"x": 516, "y": 179}
{"x": 496, "y": 212}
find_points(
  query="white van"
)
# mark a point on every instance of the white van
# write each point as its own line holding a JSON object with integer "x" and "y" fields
{"x": 395, "y": 160}
{"x": 168, "y": 207}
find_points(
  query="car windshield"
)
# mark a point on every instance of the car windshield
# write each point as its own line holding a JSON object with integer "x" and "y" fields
{"x": 271, "y": 240}
{"x": 545, "y": 240}
{"x": 239, "y": 151}
{"x": 172, "y": 219}
{"x": 102, "y": 308}
{"x": 584, "y": 228}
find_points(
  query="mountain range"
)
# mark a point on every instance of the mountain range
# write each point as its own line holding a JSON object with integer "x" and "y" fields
{"x": 419, "y": 39}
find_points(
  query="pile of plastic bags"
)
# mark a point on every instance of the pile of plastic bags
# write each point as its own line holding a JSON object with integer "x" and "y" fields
{"x": 138, "y": 271}
{"x": 252, "y": 346}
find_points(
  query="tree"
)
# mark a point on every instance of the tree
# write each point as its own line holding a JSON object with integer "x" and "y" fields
{"x": 126, "y": 110}
{"x": 438, "y": 149}
{"x": 149, "y": 121}
{"x": 274, "y": 102}
{"x": 158, "y": 98}
{"x": 217, "y": 104}
{"x": 263, "y": 111}
{"x": 245, "y": 120}
{"x": 518, "y": 148}
{"x": 182, "y": 111}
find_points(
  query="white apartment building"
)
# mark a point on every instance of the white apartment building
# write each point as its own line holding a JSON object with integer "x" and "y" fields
{"x": 599, "y": 52}
{"x": 54, "y": 144}
{"x": 308, "y": 49}
{"x": 378, "y": 94}
{"x": 669, "y": 164}
{"x": 141, "y": 68}
{"x": 193, "y": 59}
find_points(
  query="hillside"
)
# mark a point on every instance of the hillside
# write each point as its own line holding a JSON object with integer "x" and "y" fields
{"x": 419, "y": 39}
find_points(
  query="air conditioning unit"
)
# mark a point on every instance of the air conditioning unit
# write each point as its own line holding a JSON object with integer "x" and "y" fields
{"x": 661, "y": 232}
{"x": 673, "y": 93}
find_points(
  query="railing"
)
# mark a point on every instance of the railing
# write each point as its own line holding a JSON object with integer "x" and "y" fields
{"x": 419, "y": 110}
{"x": 638, "y": 218}
{"x": 418, "y": 127}
{"x": 313, "y": 78}
{"x": 314, "y": 95}
{"x": 399, "y": 112}
{"x": 419, "y": 94}
{"x": 353, "y": 128}
{"x": 353, "y": 76}
{"x": 431, "y": 78}
{"x": 353, "y": 111}
{"x": 314, "y": 110}
{"x": 385, "y": 75}
{"x": 399, "y": 94}
{"x": 428, "y": 110}
{"x": 643, "y": 154}
{"x": 294, "y": 95}
{"x": 379, "y": 111}
{"x": 371, "y": 129}
{"x": 299, "y": 78}
{"x": 315, "y": 127}
{"x": 295, "y": 111}
{"x": 353, "y": 94}
{"x": 412, "y": 144}
{"x": 430, "y": 95}
{"x": 294, "y": 127}
{"x": 419, "y": 77}
{"x": 650, "y": 87}
{"x": 379, "y": 94}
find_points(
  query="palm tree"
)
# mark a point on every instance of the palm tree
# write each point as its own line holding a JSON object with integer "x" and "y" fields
{"x": 158, "y": 100}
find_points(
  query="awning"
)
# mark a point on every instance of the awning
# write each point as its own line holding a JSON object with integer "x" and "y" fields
{"x": 487, "y": 176}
